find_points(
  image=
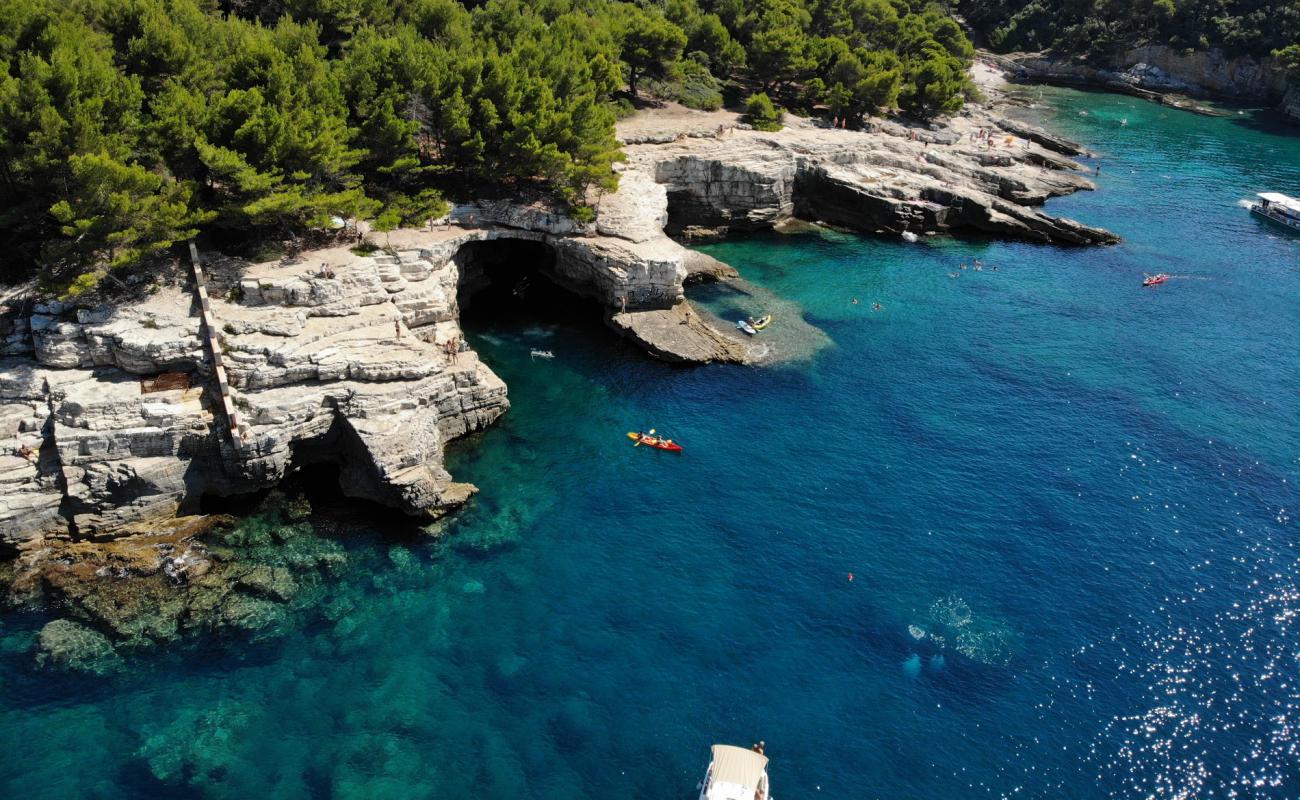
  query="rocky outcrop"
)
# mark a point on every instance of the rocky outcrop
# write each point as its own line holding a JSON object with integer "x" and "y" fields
{"x": 1290, "y": 107}
{"x": 1155, "y": 72}
{"x": 345, "y": 362}
{"x": 893, "y": 179}
{"x": 113, "y": 416}
{"x": 680, "y": 336}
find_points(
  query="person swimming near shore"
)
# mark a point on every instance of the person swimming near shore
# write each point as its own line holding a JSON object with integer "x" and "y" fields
{"x": 876, "y": 306}
{"x": 854, "y": 301}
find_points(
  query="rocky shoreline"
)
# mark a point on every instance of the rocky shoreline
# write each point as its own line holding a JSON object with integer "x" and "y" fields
{"x": 1164, "y": 75}
{"x": 118, "y": 421}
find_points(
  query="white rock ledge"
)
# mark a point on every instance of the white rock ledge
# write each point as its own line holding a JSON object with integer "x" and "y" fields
{"x": 347, "y": 364}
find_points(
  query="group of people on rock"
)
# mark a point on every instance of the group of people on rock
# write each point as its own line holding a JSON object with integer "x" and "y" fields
{"x": 453, "y": 347}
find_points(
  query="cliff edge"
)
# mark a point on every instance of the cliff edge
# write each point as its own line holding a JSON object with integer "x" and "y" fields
{"x": 226, "y": 381}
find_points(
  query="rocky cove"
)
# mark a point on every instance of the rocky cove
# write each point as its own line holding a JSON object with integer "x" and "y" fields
{"x": 1166, "y": 75}
{"x": 121, "y": 423}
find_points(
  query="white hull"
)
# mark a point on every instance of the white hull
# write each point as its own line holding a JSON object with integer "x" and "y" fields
{"x": 1274, "y": 217}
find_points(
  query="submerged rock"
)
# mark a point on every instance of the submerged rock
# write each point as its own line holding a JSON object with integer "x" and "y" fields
{"x": 142, "y": 591}
{"x": 64, "y": 644}
{"x": 198, "y": 747}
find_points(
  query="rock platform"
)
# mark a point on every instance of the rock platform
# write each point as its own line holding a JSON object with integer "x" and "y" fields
{"x": 343, "y": 359}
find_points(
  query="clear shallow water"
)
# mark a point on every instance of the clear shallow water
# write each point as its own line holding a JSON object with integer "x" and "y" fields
{"x": 1084, "y": 487}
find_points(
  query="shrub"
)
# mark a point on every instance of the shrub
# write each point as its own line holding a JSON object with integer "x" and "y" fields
{"x": 762, "y": 113}
{"x": 691, "y": 84}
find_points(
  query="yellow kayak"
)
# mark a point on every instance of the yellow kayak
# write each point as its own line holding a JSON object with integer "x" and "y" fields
{"x": 762, "y": 322}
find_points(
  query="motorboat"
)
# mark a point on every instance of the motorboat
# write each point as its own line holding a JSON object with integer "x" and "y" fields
{"x": 745, "y": 327}
{"x": 1278, "y": 208}
{"x": 541, "y": 354}
{"x": 908, "y": 236}
{"x": 736, "y": 773}
{"x": 1155, "y": 280}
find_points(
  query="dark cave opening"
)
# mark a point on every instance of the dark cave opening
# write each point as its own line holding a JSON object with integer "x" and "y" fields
{"x": 509, "y": 283}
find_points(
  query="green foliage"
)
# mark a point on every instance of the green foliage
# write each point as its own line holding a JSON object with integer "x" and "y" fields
{"x": 691, "y": 84}
{"x": 762, "y": 113}
{"x": 115, "y": 213}
{"x": 648, "y": 43}
{"x": 1103, "y": 29}
{"x": 126, "y": 125}
{"x": 1290, "y": 57}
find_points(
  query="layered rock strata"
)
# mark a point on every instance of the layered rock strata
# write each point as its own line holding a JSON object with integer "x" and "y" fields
{"x": 111, "y": 417}
{"x": 1163, "y": 73}
{"x": 890, "y": 179}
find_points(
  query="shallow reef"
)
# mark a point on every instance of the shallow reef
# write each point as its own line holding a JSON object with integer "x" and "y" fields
{"x": 200, "y": 575}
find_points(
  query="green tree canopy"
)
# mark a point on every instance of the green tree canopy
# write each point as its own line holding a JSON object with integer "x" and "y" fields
{"x": 127, "y": 124}
{"x": 649, "y": 43}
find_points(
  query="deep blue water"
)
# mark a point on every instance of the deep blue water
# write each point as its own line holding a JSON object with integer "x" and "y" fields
{"x": 1066, "y": 500}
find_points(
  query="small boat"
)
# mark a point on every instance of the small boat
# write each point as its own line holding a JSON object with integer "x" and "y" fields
{"x": 736, "y": 774}
{"x": 762, "y": 322}
{"x": 908, "y": 236}
{"x": 1155, "y": 280}
{"x": 745, "y": 327}
{"x": 541, "y": 354}
{"x": 649, "y": 439}
{"x": 1278, "y": 208}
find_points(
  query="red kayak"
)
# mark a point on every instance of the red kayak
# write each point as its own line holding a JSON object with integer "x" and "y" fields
{"x": 1155, "y": 280}
{"x": 657, "y": 442}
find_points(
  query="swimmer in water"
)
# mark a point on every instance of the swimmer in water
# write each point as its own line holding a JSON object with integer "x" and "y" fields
{"x": 876, "y": 306}
{"x": 954, "y": 274}
{"x": 854, "y": 301}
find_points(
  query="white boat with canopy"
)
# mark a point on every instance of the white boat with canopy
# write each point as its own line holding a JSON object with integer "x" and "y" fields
{"x": 735, "y": 774}
{"x": 1279, "y": 208}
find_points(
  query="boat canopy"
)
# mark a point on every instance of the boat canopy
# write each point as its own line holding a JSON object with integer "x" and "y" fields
{"x": 738, "y": 766}
{"x": 1278, "y": 199}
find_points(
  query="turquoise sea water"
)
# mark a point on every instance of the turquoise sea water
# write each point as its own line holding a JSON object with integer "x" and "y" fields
{"x": 1067, "y": 503}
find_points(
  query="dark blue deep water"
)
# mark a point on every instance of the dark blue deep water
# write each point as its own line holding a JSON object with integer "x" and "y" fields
{"x": 1067, "y": 502}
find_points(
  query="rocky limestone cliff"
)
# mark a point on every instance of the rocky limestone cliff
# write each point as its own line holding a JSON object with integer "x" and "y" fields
{"x": 1154, "y": 71}
{"x": 343, "y": 359}
{"x": 892, "y": 179}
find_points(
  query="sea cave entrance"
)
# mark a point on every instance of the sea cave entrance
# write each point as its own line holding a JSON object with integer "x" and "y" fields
{"x": 509, "y": 286}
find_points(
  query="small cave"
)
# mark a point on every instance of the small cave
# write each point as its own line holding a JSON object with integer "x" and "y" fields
{"x": 691, "y": 217}
{"x": 512, "y": 283}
